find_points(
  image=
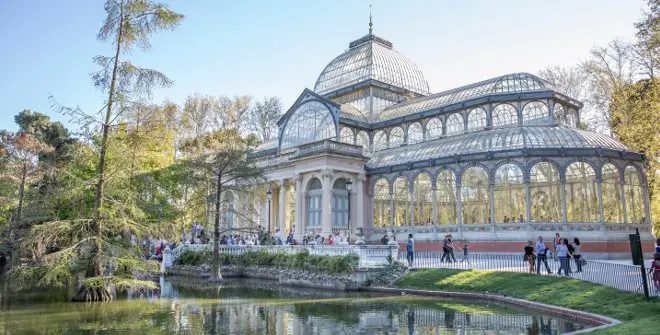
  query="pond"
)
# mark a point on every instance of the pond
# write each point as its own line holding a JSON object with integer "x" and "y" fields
{"x": 242, "y": 306}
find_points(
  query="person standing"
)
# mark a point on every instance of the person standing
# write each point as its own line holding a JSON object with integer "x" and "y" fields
{"x": 657, "y": 246}
{"x": 541, "y": 256}
{"x": 529, "y": 255}
{"x": 577, "y": 256}
{"x": 555, "y": 243}
{"x": 563, "y": 256}
{"x": 410, "y": 248}
{"x": 465, "y": 255}
{"x": 445, "y": 249}
{"x": 655, "y": 268}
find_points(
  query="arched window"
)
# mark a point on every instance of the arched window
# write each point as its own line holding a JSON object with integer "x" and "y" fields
{"x": 314, "y": 209}
{"x": 311, "y": 122}
{"x": 339, "y": 203}
{"x": 445, "y": 195}
{"x": 401, "y": 201}
{"x": 228, "y": 210}
{"x": 396, "y": 137}
{"x": 423, "y": 199}
{"x": 634, "y": 198}
{"x": 581, "y": 197}
{"x": 504, "y": 115}
{"x": 545, "y": 188}
{"x": 474, "y": 195}
{"x": 536, "y": 112}
{"x": 382, "y": 203}
{"x": 560, "y": 113}
{"x": 611, "y": 188}
{"x": 433, "y": 128}
{"x": 415, "y": 133}
{"x": 455, "y": 124}
{"x": 380, "y": 140}
{"x": 362, "y": 139}
{"x": 509, "y": 194}
{"x": 346, "y": 135}
{"x": 476, "y": 119}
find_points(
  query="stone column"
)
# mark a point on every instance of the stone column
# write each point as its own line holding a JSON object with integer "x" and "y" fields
{"x": 299, "y": 226}
{"x": 459, "y": 205}
{"x": 563, "y": 201}
{"x": 647, "y": 205}
{"x": 491, "y": 193}
{"x": 599, "y": 192}
{"x": 359, "y": 203}
{"x": 528, "y": 202}
{"x": 623, "y": 200}
{"x": 281, "y": 211}
{"x": 411, "y": 205}
{"x": 435, "y": 205}
{"x": 391, "y": 208}
{"x": 326, "y": 203}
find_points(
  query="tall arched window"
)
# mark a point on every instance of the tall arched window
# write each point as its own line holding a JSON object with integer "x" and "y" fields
{"x": 455, "y": 124}
{"x": 509, "y": 194}
{"x": 382, "y": 203}
{"x": 311, "y": 122}
{"x": 346, "y": 135}
{"x": 504, "y": 115}
{"x": 423, "y": 198}
{"x": 611, "y": 193}
{"x": 362, "y": 139}
{"x": 401, "y": 201}
{"x": 415, "y": 133}
{"x": 474, "y": 195}
{"x": 396, "y": 137}
{"x": 314, "y": 209}
{"x": 545, "y": 188}
{"x": 476, "y": 119}
{"x": 339, "y": 203}
{"x": 445, "y": 194}
{"x": 433, "y": 128}
{"x": 536, "y": 112}
{"x": 380, "y": 140}
{"x": 581, "y": 197}
{"x": 634, "y": 198}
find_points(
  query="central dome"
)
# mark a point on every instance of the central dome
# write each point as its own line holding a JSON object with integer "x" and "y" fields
{"x": 367, "y": 58}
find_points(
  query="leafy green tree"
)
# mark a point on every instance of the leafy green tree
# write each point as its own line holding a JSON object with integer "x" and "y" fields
{"x": 263, "y": 116}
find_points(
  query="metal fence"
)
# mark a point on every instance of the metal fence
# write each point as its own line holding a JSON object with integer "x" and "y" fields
{"x": 619, "y": 276}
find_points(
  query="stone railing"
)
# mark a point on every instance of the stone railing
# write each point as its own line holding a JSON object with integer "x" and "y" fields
{"x": 369, "y": 255}
{"x": 328, "y": 146}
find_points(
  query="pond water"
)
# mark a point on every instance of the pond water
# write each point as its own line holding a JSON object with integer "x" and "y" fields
{"x": 241, "y": 306}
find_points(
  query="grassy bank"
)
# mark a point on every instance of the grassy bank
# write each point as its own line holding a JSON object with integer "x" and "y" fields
{"x": 637, "y": 315}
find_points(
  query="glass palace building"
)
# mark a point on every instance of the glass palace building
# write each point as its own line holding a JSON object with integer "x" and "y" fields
{"x": 372, "y": 150}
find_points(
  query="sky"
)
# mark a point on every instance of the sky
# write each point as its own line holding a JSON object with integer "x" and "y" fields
{"x": 277, "y": 48}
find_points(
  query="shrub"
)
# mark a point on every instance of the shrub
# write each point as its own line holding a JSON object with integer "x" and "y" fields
{"x": 189, "y": 257}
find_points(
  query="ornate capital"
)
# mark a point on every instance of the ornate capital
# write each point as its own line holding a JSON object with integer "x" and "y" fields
{"x": 327, "y": 173}
{"x": 362, "y": 177}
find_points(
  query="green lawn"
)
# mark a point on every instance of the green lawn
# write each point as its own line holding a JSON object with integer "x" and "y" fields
{"x": 638, "y": 316}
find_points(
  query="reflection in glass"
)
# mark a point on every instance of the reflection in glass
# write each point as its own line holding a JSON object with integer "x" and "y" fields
{"x": 545, "y": 188}
{"x": 581, "y": 197}
{"x": 446, "y": 197}
{"x": 423, "y": 198}
{"x": 634, "y": 199}
{"x": 474, "y": 195}
{"x": 611, "y": 188}
{"x": 509, "y": 193}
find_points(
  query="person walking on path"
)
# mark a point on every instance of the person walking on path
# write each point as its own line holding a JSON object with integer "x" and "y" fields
{"x": 529, "y": 255}
{"x": 451, "y": 248}
{"x": 577, "y": 255}
{"x": 541, "y": 256}
{"x": 564, "y": 257}
{"x": 410, "y": 248}
{"x": 555, "y": 243}
{"x": 445, "y": 249}
{"x": 465, "y": 255}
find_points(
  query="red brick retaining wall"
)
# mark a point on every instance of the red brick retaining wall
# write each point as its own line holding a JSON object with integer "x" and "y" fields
{"x": 517, "y": 246}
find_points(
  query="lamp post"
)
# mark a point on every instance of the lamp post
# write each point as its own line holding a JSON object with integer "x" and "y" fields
{"x": 349, "y": 187}
{"x": 269, "y": 194}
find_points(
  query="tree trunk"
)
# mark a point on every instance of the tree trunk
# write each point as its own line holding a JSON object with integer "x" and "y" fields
{"x": 16, "y": 220}
{"x": 97, "y": 263}
{"x": 215, "y": 267}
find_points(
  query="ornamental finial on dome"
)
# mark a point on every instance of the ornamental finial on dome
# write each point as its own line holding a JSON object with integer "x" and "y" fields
{"x": 371, "y": 24}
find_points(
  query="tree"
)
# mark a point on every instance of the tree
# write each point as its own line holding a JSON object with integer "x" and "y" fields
{"x": 230, "y": 167}
{"x": 263, "y": 116}
{"x": 573, "y": 82}
{"x": 22, "y": 153}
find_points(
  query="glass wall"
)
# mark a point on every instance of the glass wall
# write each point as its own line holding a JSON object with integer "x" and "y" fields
{"x": 362, "y": 139}
{"x": 509, "y": 194}
{"x": 455, "y": 124}
{"x": 545, "y": 189}
{"x": 433, "y": 128}
{"x": 504, "y": 115}
{"x": 339, "y": 203}
{"x": 311, "y": 122}
{"x": 445, "y": 193}
{"x": 346, "y": 135}
{"x": 581, "y": 196}
{"x": 634, "y": 198}
{"x": 423, "y": 198}
{"x": 475, "y": 196}
{"x": 396, "y": 137}
{"x": 476, "y": 119}
{"x": 401, "y": 196}
{"x": 611, "y": 190}
{"x": 314, "y": 209}
{"x": 535, "y": 112}
{"x": 380, "y": 140}
{"x": 381, "y": 203}
{"x": 415, "y": 133}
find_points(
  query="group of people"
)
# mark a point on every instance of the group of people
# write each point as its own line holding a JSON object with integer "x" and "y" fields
{"x": 564, "y": 252}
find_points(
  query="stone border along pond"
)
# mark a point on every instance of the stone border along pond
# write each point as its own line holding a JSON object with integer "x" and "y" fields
{"x": 356, "y": 281}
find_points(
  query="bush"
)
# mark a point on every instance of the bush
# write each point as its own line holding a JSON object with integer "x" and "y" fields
{"x": 301, "y": 260}
{"x": 189, "y": 257}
